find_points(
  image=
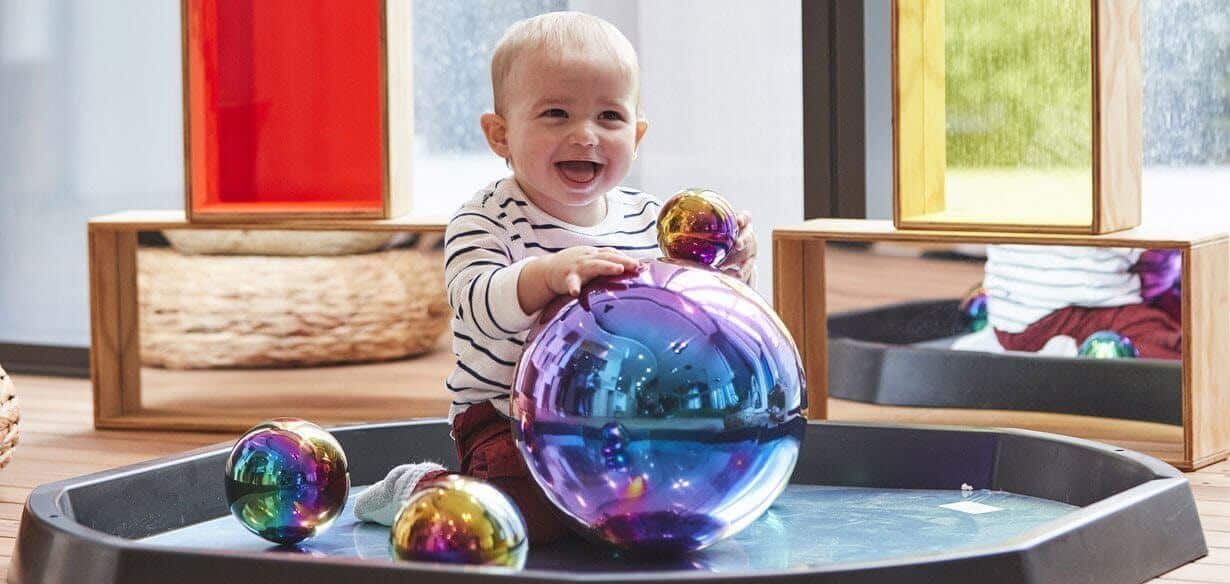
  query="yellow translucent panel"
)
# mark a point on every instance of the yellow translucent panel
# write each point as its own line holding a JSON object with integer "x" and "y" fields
{"x": 1016, "y": 107}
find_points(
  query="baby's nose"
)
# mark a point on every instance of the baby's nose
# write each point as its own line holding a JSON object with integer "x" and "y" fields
{"x": 584, "y": 135}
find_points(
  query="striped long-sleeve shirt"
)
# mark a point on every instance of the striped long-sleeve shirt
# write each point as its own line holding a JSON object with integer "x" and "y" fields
{"x": 487, "y": 243}
{"x": 1027, "y": 282}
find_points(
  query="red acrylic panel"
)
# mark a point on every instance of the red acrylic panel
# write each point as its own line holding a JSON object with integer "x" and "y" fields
{"x": 284, "y": 106}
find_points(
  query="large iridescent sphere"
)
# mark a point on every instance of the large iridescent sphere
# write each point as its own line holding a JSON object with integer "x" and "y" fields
{"x": 460, "y": 520}
{"x": 697, "y": 225}
{"x": 1108, "y": 345}
{"x": 286, "y": 480}
{"x": 661, "y": 411}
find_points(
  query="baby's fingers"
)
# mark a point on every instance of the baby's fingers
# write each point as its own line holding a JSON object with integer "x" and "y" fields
{"x": 613, "y": 255}
{"x": 572, "y": 283}
{"x": 599, "y": 267}
{"x": 747, "y": 240}
{"x": 743, "y": 219}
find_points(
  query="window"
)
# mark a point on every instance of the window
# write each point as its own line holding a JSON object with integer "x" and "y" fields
{"x": 1186, "y": 45}
{"x": 452, "y": 54}
{"x": 1187, "y": 109}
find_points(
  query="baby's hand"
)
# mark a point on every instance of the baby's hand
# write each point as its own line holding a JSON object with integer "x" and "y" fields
{"x": 566, "y": 271}
{"x": 742, "y": 259}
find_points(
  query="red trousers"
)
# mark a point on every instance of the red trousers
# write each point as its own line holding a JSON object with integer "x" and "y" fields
{"x": 486, "y": 450}
{"x": 1156, "y": 334}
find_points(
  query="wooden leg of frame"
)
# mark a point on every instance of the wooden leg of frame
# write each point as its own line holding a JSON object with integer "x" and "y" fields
{"x": 815, "y": 346}
{"x": 1206, "y": 352}
{"x": 115, "y": 366}
{"x": 788, "y": 282}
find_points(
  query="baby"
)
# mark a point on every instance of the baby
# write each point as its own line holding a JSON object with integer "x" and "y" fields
{"x": 1037, "y": 293}
{"x": 567, "y": 122}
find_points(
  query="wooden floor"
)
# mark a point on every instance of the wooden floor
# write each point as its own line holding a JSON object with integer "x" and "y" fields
{"x": 58, "y": 440}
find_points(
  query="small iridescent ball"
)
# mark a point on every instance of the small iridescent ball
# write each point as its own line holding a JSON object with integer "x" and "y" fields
{"x": 460, "y": 520}
{"x": 697, "y": 225}
{"x": 286, "y": 480}
{"x": 1108, "y": 345}
{"x": 974, "y": 308}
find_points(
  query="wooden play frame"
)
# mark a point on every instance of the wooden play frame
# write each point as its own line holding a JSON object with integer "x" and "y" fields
{"x": 397, "y": 114}
{"x": 115, "y": 360}
{"x": 799, "y": 296}
{"x": 919, "y": 120}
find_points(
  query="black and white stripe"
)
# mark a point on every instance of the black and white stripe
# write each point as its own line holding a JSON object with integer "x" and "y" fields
{"x": 1025, "y": 283}
{"x": 484, "y": 242}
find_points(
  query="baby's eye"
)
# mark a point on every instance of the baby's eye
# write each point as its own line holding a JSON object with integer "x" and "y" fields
{"x": 611, "y": 115}
{"x": 555, "y": 113}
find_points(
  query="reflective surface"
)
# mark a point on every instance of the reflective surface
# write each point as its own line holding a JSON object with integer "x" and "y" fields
{"x": 974, "y": 308}
{"x": 902, "y": 348}
{"x": 1108, "y": 345}
{"x": 809, "y": 526}
{"x": 697, "y": 225}
{"x": 460, "y": 520}
{"x": 662, "y": 410}
{"x": 286, "y": 480}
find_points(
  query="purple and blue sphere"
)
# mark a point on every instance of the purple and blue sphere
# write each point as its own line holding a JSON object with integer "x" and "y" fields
{"x": 662, "y": 410}
{"x": 286, "y": 480}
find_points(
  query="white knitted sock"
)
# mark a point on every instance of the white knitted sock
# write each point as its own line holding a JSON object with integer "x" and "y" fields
{"x": 381, "y": 501}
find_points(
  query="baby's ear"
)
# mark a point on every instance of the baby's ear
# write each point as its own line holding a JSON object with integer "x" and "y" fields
{"x": 496, "y": 131}
{"x": 641, "y": 126}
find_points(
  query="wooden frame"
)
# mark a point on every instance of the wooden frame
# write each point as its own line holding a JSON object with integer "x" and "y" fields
{"x": 799, "y": 295}
{"x": 397, "y": 121}
{"x": 919, "y": 165}
{"x": 115, "y": 362}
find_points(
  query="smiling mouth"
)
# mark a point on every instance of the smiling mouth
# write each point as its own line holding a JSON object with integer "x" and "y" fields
{"x": 580, "y": 172}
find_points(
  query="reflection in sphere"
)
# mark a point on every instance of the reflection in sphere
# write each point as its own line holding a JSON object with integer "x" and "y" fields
{"x": 697, "y": 225}
{"x": 662, "y": 410}
{"x": 973, "y": 308}
{"x": 286, "y": 480}
{"x": 1108, "y": 345}
{"x": 460, "y": 520}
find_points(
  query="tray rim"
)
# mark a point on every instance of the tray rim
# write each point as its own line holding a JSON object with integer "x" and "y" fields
{"x": 48, "y": 506}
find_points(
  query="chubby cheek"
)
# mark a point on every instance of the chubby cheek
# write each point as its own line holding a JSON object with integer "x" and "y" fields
{"x": 533, "y": 155}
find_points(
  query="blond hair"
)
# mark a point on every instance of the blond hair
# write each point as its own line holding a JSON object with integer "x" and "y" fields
{"x": 561, "y": 33}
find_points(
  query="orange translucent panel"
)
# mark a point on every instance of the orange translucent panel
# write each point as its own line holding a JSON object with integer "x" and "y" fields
{"x": 284, "y": 101}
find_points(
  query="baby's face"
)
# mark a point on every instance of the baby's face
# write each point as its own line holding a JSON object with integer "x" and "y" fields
{"x": 571, "y": 127}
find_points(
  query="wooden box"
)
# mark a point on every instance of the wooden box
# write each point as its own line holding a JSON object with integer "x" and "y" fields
{"x": 1017, "y": 116}
{"x": 297, "y": 109}
{"x": 115, "y": 348}
{"x": 799, "y": 263}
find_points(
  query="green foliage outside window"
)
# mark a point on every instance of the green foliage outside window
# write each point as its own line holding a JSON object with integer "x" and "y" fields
{"x": 1018, "y": 83}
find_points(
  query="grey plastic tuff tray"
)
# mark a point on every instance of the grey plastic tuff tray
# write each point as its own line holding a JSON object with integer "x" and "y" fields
{"x": 1133, "y": 517}
{"x": 898, "y": 355}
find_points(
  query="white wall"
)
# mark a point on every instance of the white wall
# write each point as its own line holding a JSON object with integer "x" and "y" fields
{"x": 877, "y": 59}
{"x": 90, "y": 123}
{"x": 721, "y": 82}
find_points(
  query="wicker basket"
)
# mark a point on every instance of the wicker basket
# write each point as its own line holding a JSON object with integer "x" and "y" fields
{"x": 10, "y": 415}
{"x": 207, "y": 311}
{"x": 276, "y": 243}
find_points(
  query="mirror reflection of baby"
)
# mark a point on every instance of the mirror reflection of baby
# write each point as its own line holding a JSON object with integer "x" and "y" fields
{"x": 1040, "y": 295}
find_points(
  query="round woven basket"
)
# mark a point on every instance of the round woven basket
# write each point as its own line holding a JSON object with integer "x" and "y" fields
{"x": 10, "y": 415}
{"x": 204, "y": 311}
